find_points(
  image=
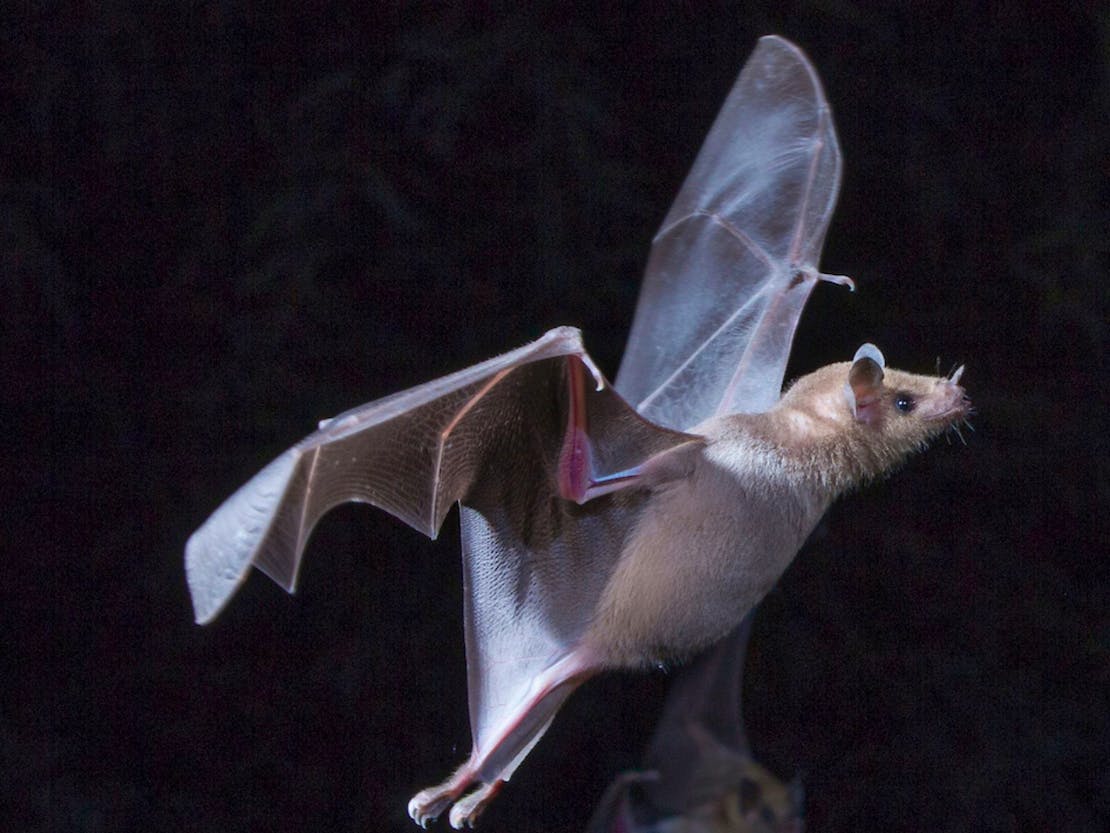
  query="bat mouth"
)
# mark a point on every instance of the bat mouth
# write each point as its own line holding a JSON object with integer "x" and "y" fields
{"x": 956, "y": 416}
{"x": 953, "y": 410}
{"x": 949, "y": 401}
{"x": 952, "y": 402}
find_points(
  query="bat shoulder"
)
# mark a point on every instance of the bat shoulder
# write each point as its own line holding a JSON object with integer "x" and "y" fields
{"x": 743, "y": 445}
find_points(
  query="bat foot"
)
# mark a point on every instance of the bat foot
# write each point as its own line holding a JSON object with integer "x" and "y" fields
{"x": 427, "y": 805}
{"x": 505, "y": 747}
{"x": 466, "y": 810}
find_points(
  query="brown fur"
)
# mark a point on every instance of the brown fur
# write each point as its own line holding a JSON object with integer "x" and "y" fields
{"x": 711, "y": 544}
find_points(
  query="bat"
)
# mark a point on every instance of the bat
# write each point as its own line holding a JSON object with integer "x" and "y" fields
{"x": 699, "y": 775}
{"x": 618, "y": 527}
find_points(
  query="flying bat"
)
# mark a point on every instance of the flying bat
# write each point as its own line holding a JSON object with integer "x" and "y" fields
{"x": 699, "y": 775}
{"x": 624, "y": 526}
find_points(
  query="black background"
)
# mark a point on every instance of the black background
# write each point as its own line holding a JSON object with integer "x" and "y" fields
{"x": 220, "y": 224}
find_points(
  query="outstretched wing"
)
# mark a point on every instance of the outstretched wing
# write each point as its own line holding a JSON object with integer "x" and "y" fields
{"x": 531, "y": 443}
{"x": 736, "y": 257}
{"x": 523, "y": 428}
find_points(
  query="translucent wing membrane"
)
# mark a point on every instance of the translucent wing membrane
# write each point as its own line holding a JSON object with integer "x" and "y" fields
{"x": 413, "y": 454}
{"x": 736, "y": 257}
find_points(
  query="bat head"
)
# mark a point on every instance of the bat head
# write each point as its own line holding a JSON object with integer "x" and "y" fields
{"x": 907, "y": 408}
{"x": 858, "y": 420}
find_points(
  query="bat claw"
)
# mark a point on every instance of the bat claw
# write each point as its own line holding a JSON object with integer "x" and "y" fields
{"x": 466, "y": 810}
{"x": 840, "y": 280}
{"x": 426, "y": 806}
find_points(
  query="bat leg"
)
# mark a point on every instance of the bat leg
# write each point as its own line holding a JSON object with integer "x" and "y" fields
{"x": 510, "y": 741}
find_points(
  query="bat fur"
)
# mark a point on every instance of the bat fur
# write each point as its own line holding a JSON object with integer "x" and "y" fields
{"x": 615, "y": 528}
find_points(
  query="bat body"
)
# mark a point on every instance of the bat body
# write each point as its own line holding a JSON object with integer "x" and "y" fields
{"x": 613, "y": 528}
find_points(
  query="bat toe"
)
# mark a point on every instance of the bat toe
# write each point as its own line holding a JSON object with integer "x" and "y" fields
{"x": 427, "y": 805}
{"x": 467, "y": 809}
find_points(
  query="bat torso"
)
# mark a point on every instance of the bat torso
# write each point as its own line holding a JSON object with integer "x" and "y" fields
{"x": 706, "y": 548}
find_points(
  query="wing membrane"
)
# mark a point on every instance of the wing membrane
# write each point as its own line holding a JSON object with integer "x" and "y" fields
{"x": 402, "y": 453}
{"x": 736, "y": 256}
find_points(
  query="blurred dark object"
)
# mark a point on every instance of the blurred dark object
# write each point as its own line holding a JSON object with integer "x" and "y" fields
{"x": 698, "y": 774}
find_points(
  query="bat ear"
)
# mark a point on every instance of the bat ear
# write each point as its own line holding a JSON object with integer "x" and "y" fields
{"x": 864, "y": 387}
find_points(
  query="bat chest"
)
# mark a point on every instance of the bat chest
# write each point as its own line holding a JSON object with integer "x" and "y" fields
{"x": 703, "y": 554}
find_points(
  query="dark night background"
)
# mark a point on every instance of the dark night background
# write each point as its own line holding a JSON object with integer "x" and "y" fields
{"x": 220, "y": 224}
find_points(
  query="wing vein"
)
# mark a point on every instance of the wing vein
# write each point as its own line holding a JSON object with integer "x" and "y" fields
{"x": 746, "y": 356}
{"x": 442, "y": 444}
{"x": 690, "y": 359}
{"x": 803, "y": 207}
{"x": 740, "y": 235}
{"x": 755, "y": 249}
{"x": 306, "y": 504}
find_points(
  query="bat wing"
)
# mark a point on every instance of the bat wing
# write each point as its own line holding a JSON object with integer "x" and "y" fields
{"x": 523, "y": 442}
{"x": 736, "y": 257}
{"x": 700, "y": 738}
{"x": 697, "y": 752}
{"x": 698, "y": 769}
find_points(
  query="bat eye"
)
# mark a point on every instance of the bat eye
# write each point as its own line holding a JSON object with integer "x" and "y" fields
{"x": 904, "y": 402}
